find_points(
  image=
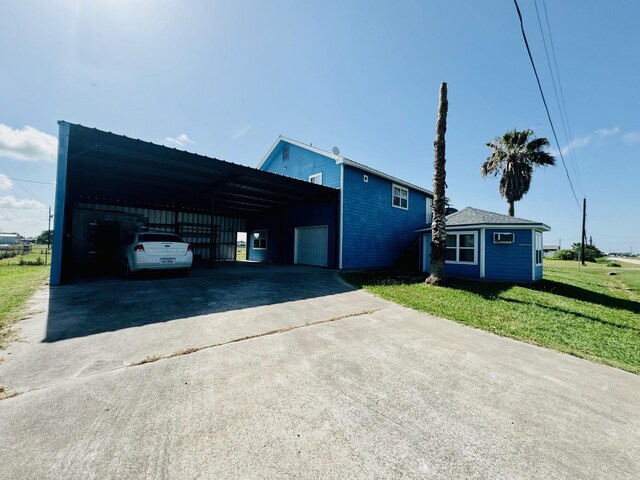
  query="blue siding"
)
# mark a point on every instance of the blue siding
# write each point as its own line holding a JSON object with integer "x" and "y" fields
{"x": 302, "y": 163}
{"x": 458, "y": 269}
{"x": 538, "y": 272}
{"x": 375, "y": 233}
{"x": 281, "y": 225}
{"x": 509, "y": 262}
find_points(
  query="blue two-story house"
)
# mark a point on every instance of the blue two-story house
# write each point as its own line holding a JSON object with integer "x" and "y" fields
{"x": 374, "y": 225}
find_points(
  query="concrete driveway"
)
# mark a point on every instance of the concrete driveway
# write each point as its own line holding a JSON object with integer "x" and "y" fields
{"x": 286, "y": 372}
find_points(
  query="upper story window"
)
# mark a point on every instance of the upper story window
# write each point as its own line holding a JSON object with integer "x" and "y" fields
{"x": 316, "y": 178}
{"x": 285, "y": 153}
{"x": 538, "y": 248}
{"x": 260, "y": 239}
{"x": 429, "y": 202}
{"x": 461, "y": 248}
{"x": 400, "y": 197}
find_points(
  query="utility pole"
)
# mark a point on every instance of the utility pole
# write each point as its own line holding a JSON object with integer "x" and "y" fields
{"x": 584, "y": 234}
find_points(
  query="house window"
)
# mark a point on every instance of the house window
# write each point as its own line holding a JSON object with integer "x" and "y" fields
{"x": 461, "y": 248}
{"x": 285, "y": 153}
{"x": 429, "y": 202}
{"x": 316, "y": 178}
{"x": 538, "y": 245}
{"x": 260, "y": 239}
{"x": 365, "y": 178}
{"x": 400, "y": 197}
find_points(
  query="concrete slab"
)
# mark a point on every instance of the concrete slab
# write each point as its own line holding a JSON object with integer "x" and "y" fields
{"x": 95, "y": 326}
{"x": 388, "y": 394}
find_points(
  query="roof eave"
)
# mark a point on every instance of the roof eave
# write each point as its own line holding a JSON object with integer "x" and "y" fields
{"x": 473, "y": 226}
{"x": 373, "y": 171}
{"x": 282, "y": 138}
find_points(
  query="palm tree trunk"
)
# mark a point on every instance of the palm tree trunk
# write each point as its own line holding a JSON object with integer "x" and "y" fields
{"x": 438, "y": 227}
{"x": 511, "y": 208}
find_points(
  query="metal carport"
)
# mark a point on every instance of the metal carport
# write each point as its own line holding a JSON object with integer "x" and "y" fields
{"x": 121, "y": 180}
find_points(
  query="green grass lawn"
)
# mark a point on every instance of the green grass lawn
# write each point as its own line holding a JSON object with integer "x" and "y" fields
{"x": 17, "y": 284}
{"x": 582, "y": 311}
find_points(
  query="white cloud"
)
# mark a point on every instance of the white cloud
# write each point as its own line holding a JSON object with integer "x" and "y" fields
{"x": 631, "y": 137}
{"x": 241, "y": 133}
{"x": 181, "y": 140}
{"x": 5, "y": 182}
{"x": 24, "y": 204}
{"x": 587, "y": 139}
{"x": 606, "y": 132}
{"x": 28, "y": 143}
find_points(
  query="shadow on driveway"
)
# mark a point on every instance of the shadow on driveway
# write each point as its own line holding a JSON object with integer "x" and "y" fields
{"x": 96, "y": 306}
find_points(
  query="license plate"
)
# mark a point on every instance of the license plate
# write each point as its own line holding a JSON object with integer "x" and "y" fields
{"x": 167, "y": 260}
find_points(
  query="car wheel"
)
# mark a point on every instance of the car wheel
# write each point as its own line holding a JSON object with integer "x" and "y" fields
{"x": 127, "y": 270}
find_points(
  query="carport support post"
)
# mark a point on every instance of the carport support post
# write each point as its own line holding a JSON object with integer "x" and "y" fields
{"x": 212, "y": 238}
{"x": 60, "y": 207}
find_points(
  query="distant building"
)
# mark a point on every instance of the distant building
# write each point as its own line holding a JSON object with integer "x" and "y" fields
{"x": 550, "y": 250}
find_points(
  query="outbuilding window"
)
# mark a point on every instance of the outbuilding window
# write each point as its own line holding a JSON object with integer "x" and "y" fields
{"x": 462, "y": 248}
{"x": 400, "y": 197}
{"x": 260, "y": 239}
{"x": 538, "y": 245}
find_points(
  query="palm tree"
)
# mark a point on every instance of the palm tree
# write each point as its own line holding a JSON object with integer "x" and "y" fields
{"x": 515, "y": 154}
{"x": 438, "y": 227}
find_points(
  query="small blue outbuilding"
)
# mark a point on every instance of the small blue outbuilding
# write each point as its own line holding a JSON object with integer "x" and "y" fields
{"x": 490, "y": 246}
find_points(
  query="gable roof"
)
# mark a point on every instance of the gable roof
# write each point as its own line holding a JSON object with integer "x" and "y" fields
{"x": 340, "y": 160}
{"x": 474, "y": 217}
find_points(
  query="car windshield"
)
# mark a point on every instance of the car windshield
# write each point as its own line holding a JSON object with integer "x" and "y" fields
{"x": 159, "y": 237}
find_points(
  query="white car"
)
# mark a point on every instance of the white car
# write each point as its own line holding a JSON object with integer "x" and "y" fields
{"x": 156, "y": 251}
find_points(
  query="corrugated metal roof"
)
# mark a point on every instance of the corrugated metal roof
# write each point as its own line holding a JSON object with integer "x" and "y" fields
{"x": 103, "y": 166}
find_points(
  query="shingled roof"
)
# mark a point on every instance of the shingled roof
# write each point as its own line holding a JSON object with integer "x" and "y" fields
{"x": 471, "y": 217}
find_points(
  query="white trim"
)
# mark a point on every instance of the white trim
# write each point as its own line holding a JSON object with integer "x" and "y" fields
{"x": 341, "y": 233}
{"x": 475, "y": 248}
{"x": 483, "y": 241}
{"x": 316, "y": 175}
{"x": 365, "y": 168}
{"x": 400, "y": 187}
{"x": 266, "y": 243}
{"x": 504, "y": 233}
{"x": 339, "y": 160}
{"x": 282, "y": 138}
{"x": 533, "y": 255}
{"x": 476, "y": 226}
{"x": 535, "y": 234}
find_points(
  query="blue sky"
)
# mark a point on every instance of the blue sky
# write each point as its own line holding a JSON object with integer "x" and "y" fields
{"x": 225, "y": 78}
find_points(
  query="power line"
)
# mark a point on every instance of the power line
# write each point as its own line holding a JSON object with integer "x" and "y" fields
{"x": 23, "y": 187}
{"x": 564, "y": 117}
{"x": 546, "y": 107}
{"x": 30, "y": 181}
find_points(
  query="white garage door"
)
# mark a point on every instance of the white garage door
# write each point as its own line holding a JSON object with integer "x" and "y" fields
{"x": 310, "y": 246}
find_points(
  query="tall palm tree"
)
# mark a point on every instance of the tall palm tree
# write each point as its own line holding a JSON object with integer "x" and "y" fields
{"x": 438, "y": 227}
{"x": 515, "y": 154}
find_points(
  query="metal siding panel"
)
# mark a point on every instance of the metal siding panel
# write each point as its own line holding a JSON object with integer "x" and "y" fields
{"x": 302, "y": 163}
{"x": 376, "y": 234}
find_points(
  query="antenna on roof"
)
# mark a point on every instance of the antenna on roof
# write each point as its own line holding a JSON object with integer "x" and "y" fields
{"x": 336, "y": 151}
